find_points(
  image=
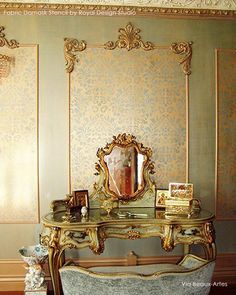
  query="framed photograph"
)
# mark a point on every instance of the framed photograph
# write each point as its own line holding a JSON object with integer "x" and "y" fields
{"x": 80, "y": 198}
{"x": 161, "y": 196}
{"x": 181, "y": 190}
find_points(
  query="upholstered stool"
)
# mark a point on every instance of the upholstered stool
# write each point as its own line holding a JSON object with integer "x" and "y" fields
{"x": 191, "y": 276}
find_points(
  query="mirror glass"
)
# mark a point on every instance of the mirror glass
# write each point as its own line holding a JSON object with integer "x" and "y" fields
{"x": 125, "y": 166}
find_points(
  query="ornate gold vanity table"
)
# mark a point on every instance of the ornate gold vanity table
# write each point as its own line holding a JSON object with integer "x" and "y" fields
{"x": 93, "y": 230}
{"x": 125, "y": 194}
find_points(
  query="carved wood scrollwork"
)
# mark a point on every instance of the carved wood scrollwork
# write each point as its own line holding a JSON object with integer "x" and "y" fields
{"x": 71, "y": 47}
{"x": 97, "y": 239}
{"x": 167, "y": 241}
{"x": 210, "y": 232}
{"x": 73, "y": 239}
{"x": 129, "y": 39}
{"x": 133, "y": 235}
{"x": 185, "y": 49}
{"x": 8, "y": 43}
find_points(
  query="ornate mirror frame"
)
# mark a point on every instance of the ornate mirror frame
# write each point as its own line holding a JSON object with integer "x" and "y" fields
{"x": 101, "y": 188}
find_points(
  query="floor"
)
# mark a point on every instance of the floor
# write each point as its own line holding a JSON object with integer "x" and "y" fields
{"x": 230, "y": 290}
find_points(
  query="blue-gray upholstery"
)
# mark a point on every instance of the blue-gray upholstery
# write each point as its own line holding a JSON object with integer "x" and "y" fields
{"x": 191, "y": 276}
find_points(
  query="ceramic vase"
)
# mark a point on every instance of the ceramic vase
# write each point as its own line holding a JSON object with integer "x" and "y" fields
{"x": 34, "y": 256}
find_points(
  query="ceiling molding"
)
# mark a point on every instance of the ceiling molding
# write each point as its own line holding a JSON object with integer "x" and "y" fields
{"x": 179, "y": 9}
{"x": 190, "y": 4}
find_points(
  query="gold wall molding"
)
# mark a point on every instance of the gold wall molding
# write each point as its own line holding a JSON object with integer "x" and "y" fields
{"x": 71, "y": 47}
{"x": 68, "y": 9}
{"x": 129, "y": 36}
{"x": 12, "y": 272}
{"x": 129, "y": 39}
{"x": 100, "y": 102}
{"x": 184, "y": 49}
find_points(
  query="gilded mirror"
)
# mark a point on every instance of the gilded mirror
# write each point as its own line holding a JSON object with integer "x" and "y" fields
{"x": 125, "y": 171}
{"x": 124, "y": 168}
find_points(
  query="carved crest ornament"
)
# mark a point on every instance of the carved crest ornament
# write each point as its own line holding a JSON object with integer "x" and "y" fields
{"x": 129, "y": 39}
{"x": 5, "y": 60}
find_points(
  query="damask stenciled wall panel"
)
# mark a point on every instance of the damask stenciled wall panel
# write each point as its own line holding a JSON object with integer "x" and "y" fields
{"x": 19, "y": 137}
{"x": 226, "y": 134}
{"x": 137, "y": 91}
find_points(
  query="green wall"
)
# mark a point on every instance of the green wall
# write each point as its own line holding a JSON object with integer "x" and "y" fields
{"x": 49, "y": 33}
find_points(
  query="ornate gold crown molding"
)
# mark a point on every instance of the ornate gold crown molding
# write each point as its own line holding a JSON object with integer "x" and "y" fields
{"x": 129, "y": 39}
{"x": 69, "y": 9}
{"x": 188, "y": 4}
{"x": 71, "y": 47}
{"x": 185, "y": 49}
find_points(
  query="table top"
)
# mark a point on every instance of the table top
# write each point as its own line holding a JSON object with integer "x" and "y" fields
{"x": 98, "y": 217}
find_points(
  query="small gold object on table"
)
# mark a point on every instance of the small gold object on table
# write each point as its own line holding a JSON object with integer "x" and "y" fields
{"x": 161, "y": 196}
{"x": 109, "y": 204}
{"x": 181, "y": 201}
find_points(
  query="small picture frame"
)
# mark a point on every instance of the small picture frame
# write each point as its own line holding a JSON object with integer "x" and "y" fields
{"x": 161, "y": 196}
{"x": 81, "y": 198}
{"x": 181, "y": 190}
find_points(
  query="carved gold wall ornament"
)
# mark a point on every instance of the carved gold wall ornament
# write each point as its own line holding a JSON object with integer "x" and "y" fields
{"x": 185, "y": 49}
{"x": 129, "y": 39}
{"x": 71, "y": 47}
{"x": 8, "y": 43}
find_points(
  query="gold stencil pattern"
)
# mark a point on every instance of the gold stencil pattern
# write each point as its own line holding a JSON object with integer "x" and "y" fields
{"x": 5, "y": 60}
{"x": 5, "y": 65}
{"x": 226, "y": 160}
{"x": 137, "y": 92}
{"x": 18, "y": 139}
